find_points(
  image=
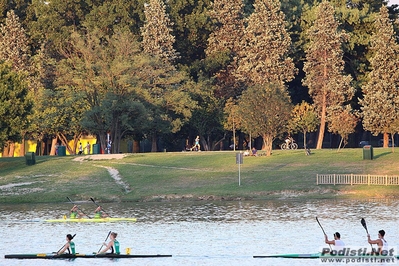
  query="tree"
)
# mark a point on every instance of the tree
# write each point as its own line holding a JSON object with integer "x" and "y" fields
{"x": 52, "y": 21}
{"x": 264, "y": 58}
{"x": 328, "y": 86}
{"x": 380, "y": 95}
{"x": 232, "y": 118}
{"x": 224, "y": 45}
{"x": 207, "y": 114}
{"x": 169, "y": 101}
{"x": 14, "y": 46}
{"x": 109, "y": 16}
{"x": 157, "y": 38}
{"x": 191, "y": 27}
{"x": 99, "y": 67}
{"x": 304, "y": 119}
{"x": 343, "y": 123}
{"x": 264, "y": 111}
{"x": 123, "y": 115}
{"x": 15, "y": 105}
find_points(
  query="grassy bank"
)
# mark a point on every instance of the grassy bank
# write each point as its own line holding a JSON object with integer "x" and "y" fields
{"x": 193, "y": 176}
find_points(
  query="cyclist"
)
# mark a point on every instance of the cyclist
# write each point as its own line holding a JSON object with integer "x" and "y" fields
{"x": 288, "y": 141}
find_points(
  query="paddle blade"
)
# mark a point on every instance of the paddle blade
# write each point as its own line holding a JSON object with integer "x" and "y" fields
{"x": 320, "y": 225}
{"x": 363, "y": 222}
{"x": 93, "y": 201}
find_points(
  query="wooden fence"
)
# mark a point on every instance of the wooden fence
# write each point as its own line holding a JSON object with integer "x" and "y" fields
{"x": 355, "y": 179}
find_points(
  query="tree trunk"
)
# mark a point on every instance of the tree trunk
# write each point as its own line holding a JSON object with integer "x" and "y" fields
{"x": 154, "y": 146}
{"x": 305, "y": 145}
{"x": 136, "y": 146}
{"x": 386, "y": 140}
{"x": 11, "y": 150}
{"x": 267, "y": 144}
{"x": 241, "y": 138}
{"x": 103, "y": 141}
{"x": 322, "y": 121}
{"x": 393, "y": 142}
{"x": 53, "y": 143}
{"x": 22, "y": 147}
{"x": 43, "y": 147}
{"x": 6, "y": 148}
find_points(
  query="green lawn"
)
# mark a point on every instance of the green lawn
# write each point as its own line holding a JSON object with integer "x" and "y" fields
{"x": 193, "y": 176}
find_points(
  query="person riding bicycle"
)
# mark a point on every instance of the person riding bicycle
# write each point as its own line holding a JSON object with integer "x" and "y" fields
{"x": 289, "y": 140}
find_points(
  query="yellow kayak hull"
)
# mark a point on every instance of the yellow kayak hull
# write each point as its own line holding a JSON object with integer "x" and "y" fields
{"x": 87, "y": 220}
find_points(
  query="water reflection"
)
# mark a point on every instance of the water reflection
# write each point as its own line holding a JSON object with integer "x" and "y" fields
{"x": 199, "y": 233}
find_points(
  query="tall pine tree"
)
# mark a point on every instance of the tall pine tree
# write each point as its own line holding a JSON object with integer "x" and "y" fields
{"x": 156, "y": 32}
{"x": 14, "y": 43}
{"x": 329, "y": 88}
{"x": 380, "y": 103}
{"x": 264, "y": 57}
{"x": 224, "y": 44}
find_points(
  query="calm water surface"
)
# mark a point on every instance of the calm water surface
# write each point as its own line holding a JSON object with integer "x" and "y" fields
{"x": 197, "y": 233}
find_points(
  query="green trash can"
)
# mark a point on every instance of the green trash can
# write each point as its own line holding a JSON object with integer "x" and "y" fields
{"x": 367, "y": 152}
{"x": 96, "y": 148}
{"x": 62, "y": 151}
{"x": 30, "y": 158}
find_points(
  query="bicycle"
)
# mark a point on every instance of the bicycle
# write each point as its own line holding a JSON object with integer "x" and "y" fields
{"x": 289, "y": 145}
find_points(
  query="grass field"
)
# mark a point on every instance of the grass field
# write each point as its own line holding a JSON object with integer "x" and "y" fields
{"x": 193, "y": 176}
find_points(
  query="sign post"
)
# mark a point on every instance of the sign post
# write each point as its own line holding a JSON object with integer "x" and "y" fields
{"x": 239, "y": 161}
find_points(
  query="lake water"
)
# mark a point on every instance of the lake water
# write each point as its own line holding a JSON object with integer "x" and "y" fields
{"x": 198, "y": 233}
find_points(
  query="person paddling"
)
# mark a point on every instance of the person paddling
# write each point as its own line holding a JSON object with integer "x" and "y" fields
{"x": 337, "y": 242}
{"x": 381, "y": 242}
{"x": 112, "y": 245}
{"x": 98, "y": 213}
{"x": 74, "y": 213}
{"x": 70, "y": 246}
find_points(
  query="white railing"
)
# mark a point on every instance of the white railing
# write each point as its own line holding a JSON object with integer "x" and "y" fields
{"x": 355, "y": 179}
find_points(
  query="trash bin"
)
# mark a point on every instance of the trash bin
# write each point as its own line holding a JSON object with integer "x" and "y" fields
{"x": 367, "y": 152}
{"x": 30, "y": 158}
{"x": 62, "y": 151}
{"x": 96, "y": 148}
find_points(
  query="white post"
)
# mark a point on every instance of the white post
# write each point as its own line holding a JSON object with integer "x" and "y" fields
{"x": 239, "y": 174}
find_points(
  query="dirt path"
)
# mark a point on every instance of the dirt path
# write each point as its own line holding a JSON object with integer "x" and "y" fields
{"x": 117, "y": 177}
{"x": 99, "y": 157}
{"x": 112, "y": 171}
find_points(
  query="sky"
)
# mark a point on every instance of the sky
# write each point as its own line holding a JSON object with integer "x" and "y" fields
{"x": 391, "y": 2}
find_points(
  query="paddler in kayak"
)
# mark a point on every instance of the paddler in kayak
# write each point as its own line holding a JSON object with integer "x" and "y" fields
{"x": 381, "y": 242}
{"x": 337, "y": 242}
{"x": 75, "y": 213}
{"x": 98, "y": 213}
{"x": 112, "y": 245}
{"x": 70, "y": 246}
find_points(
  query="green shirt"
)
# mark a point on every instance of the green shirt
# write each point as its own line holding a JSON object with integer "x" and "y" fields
{"x": 116, "y": 244}
{"x": 72, "y": 246}
{"x": 73, "y": 215}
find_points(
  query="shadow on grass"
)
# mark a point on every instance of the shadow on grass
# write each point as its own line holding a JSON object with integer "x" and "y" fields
{"x": 381, "y": 155}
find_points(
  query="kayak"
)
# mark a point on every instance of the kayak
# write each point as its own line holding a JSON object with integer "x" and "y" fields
{"x": 291, "y": 256}
{"x": 327, "y": 256}
{"x": 87, "y": 220}
{"x": 78, "y": 255}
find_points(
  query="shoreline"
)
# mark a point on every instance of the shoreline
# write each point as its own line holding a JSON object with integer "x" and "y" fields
{"x": 205, "y": 176}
